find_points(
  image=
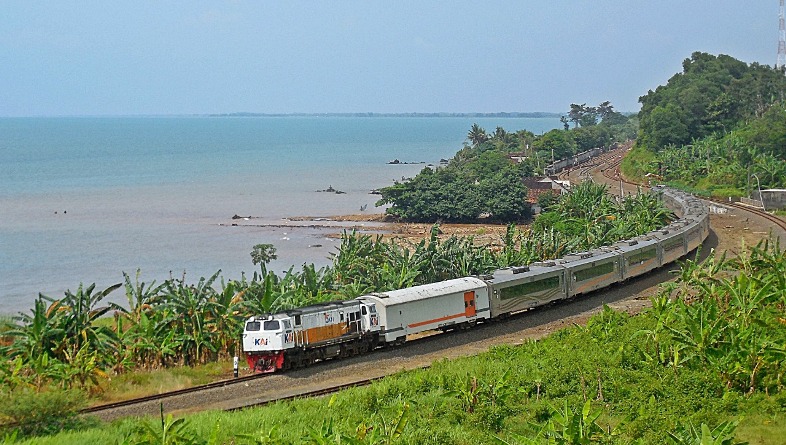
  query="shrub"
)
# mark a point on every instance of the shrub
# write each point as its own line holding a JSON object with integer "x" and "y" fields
{"x": 47, "y": 412}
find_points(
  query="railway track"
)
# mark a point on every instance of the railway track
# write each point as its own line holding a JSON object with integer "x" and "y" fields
{"x": 780, "y": 222}
{"x": 169, "y": 394}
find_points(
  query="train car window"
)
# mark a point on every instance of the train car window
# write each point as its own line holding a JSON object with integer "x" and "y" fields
{"x": 673, "y": 244}
{"x": 253, "y": 326}
{"x": 298, "y": 321}
{"x": 592, "y": 272}
{"x": 342, "y": 317}
{"x": 642, "y": 256}
{"x": 272, "y": 325}
{"x": 524, "y": 289}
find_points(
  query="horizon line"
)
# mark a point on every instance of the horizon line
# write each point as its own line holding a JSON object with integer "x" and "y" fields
{"x": 513, "y": 114}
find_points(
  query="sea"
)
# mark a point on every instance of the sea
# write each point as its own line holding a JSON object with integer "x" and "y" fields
{"x": 84, "y": 199}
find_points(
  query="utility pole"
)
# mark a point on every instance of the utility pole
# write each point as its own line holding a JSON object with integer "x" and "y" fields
{"x": 781, "y": 63}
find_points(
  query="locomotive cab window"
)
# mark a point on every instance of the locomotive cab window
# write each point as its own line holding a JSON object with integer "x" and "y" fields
{"x": 272, "y": 325}
{"x": 298, "y": 321}
{"x": 253, "y": 326}
{"x": 286, "y": 324}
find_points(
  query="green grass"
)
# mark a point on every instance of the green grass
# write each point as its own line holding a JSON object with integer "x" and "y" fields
{"x": 758, "y": 429}
{"x": 143, "y": 383}
{"x": 637, "y": 163}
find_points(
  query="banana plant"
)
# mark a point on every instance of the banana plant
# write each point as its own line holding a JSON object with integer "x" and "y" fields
{"x": 688, "y": 434}
{"x": 384, "y": 432}
{"x": 700, "y": 331}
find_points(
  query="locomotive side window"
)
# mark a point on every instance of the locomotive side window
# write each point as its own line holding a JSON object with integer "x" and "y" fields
{"x": 286, "y": 324}
{"x": 272, "y": 325}
{"x": 363, "y": 310}
{"x": 297, "y": 320}
{"x": 253, "y": 326}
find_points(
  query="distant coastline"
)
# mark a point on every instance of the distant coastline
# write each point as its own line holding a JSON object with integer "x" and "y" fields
{"x": 530, "y": 115}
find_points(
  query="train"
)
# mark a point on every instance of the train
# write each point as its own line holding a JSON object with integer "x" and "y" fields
{"x": 572, "y": 161}
{"x": 300, "y": 337}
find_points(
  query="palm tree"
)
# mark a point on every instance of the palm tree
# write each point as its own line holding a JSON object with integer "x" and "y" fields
{"x": 477, "y": 135}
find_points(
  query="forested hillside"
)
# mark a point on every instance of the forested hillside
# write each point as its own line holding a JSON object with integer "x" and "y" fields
{"x": 714, "y": 127}
{"x": 482, "y": 181}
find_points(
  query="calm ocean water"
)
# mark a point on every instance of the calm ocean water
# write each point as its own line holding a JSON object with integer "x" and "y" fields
{"x": 84, "y": 199}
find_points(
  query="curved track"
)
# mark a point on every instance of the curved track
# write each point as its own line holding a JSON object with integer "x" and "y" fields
{"x": 780, "y": 222}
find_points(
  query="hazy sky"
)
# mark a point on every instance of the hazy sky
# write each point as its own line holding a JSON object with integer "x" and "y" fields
{"x": 184, "y": 57}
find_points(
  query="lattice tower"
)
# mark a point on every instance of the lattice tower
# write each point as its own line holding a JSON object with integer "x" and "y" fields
{"x": 781, "y": 39}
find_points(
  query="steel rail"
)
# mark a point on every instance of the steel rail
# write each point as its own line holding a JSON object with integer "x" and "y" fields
{"x": 780, "y": 222}
{"x": 168, "y": 394}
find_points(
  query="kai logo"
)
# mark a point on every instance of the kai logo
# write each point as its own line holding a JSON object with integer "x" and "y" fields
{"x": 329, "y": 318}
{"x": 260, "y": 342}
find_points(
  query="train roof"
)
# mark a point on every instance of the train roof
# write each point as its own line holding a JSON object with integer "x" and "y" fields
{"x": 582, "y": 258}
{"x": 523, "y": 272}
{"x": 636, "y": 243}
{"x": 394, "y": 297}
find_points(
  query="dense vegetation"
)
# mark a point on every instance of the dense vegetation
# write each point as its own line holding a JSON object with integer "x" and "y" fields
{"x": 719, "y": 126}
{"x": 704, "y": 366}
{"x": 482, "y": 182}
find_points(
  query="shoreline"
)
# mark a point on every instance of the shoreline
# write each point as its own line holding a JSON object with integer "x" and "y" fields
{"x": 483, "y": 233}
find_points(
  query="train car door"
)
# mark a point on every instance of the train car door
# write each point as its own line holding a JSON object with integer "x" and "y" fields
{"x": 469, "y": 303}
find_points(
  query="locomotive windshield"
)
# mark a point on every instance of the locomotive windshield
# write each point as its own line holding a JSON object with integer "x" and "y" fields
{"x": 272, "y": 325}
{"x": 253, "y": 326}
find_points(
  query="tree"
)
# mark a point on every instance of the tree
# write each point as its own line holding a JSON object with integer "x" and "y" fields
{"x": 263, "y": 254}
{"x": 477, "y": 135}
{"x": 561, "y": 142}
{"x": 665, "y": 126}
